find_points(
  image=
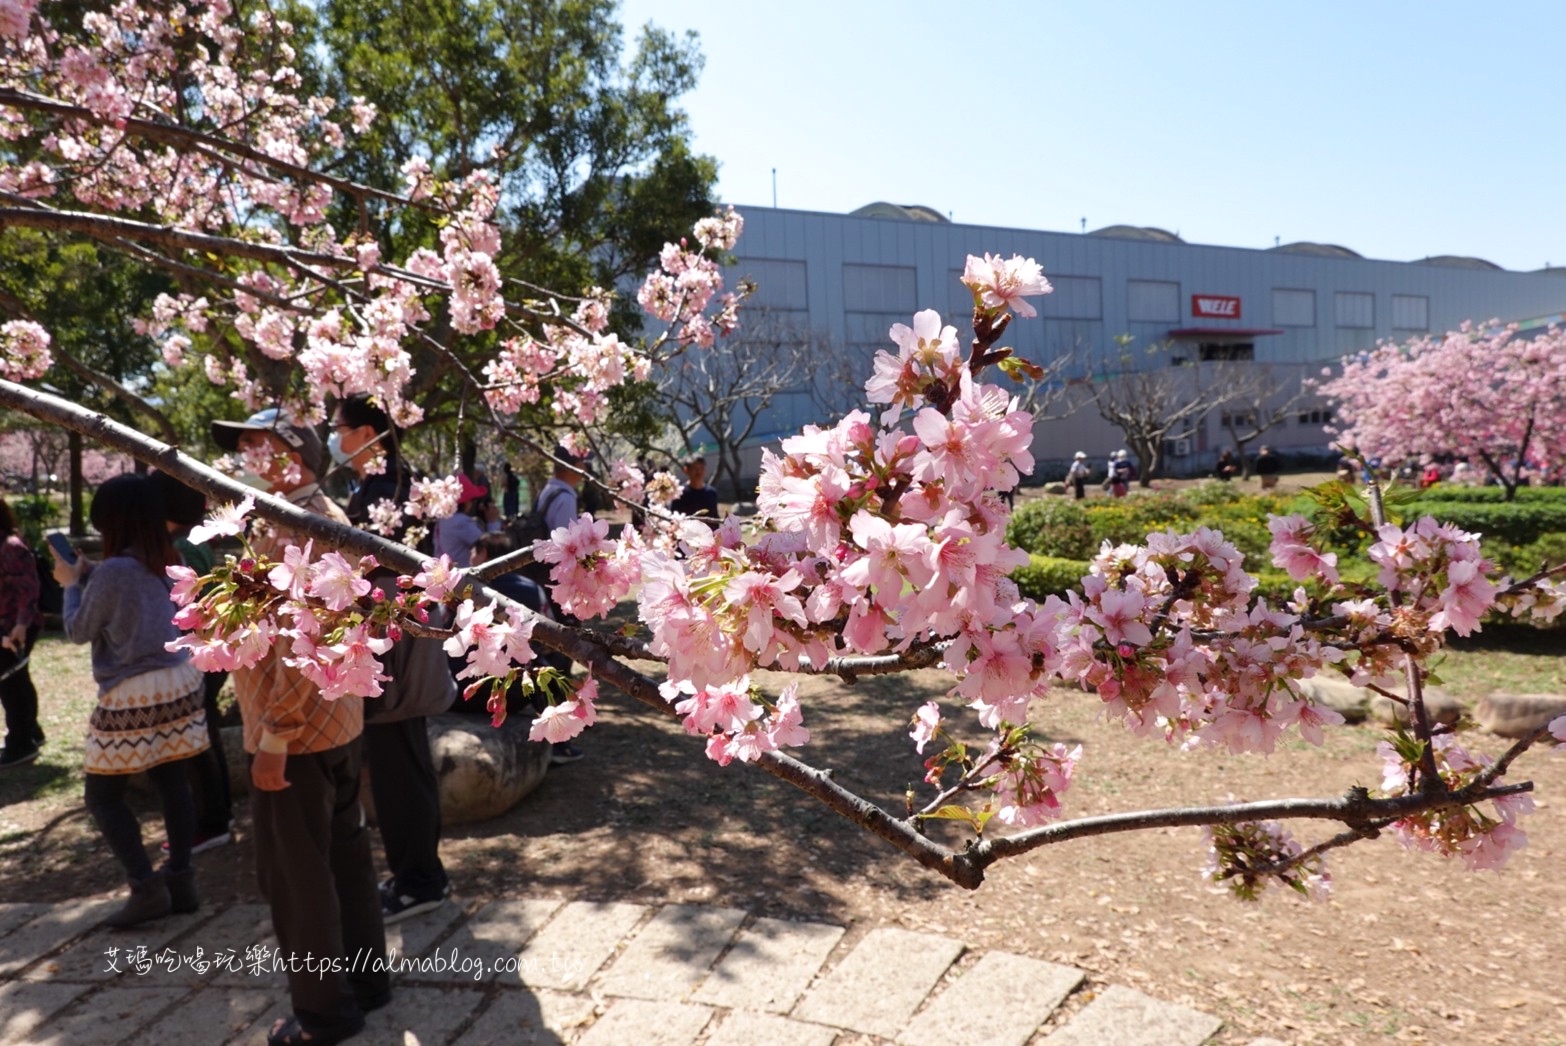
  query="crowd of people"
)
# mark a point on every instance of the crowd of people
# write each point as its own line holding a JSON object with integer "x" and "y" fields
{"x": 157, "y": 714}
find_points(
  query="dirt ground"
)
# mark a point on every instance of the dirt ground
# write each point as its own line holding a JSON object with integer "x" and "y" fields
{"x": 1409, "y": 947}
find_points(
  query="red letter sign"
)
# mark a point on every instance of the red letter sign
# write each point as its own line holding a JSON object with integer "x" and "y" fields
{"x": 1216, "y": 306}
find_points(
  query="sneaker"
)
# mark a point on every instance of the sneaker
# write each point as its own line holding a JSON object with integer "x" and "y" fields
{"x": 12, "y": 756}
{"x": 564, "y": 752}
{"x": 395, "y": 907}
{"x": 204, "y": 841}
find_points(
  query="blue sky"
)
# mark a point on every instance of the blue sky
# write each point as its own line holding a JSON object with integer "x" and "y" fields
{"x": 1397, "y": 129}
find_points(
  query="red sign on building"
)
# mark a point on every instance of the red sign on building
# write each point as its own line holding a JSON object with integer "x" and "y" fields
{"x": 1216, "y": 306}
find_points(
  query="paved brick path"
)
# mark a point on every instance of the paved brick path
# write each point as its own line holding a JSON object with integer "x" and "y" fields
{"x": 555, "y": 971}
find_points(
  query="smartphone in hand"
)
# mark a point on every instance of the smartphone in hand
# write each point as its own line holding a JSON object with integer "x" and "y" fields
{"x": 62, "y": 546}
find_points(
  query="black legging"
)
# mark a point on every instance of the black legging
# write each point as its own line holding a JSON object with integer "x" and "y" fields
{"x": 105, "y": 795}
{"x": 20, "y": 698}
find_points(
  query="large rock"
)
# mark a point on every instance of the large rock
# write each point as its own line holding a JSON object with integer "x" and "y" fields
{"x": 1518, "y": 715}
{"x": 1350, "y": 701}
{"x": 1441, "y": 706}
{"x": 484, "y": 770}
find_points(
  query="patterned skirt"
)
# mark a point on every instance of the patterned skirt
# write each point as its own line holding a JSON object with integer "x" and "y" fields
{"x": 147, "y": 720}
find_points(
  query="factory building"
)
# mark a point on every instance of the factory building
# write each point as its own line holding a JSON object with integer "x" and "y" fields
{"x": 841, "y": 280}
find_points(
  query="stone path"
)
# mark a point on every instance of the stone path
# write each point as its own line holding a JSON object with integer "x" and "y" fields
{"x": 541, "y": 970}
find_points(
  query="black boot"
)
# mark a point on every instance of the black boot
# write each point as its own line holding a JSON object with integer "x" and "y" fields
{"x": 182, "y": 890}
{"x": 149, "y": 899}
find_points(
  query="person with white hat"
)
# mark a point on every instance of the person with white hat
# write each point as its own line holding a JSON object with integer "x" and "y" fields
{"x": 1077, "y": 474}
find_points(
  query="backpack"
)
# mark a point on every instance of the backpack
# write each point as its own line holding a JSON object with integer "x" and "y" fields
{"x": 532, "y": 528}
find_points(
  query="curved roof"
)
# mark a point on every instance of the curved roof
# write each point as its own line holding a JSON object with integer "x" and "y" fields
{"x": 915, "y": 212}
{"x": 1318, "y": 250}
{"x": 1150, "y": 233}
{"x": 1458, "y": 261}
{"x": 1552, "y": 270}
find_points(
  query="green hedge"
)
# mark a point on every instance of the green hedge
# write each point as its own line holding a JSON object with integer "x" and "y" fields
{"x": 1055, "y": 576}
{"x": 1057, "y": 526}
{"x": 1518, "y": 523}
{"x": 1049, "y": 576}
{"x": 1489, "y": 495}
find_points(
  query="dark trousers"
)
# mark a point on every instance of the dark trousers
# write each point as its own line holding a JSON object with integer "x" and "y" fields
{"x": 314, "y": 868}
{"x": 105, "y": 795}
{"x": 209, "y": 770}
{"x": 20, "y": 698}
{"x": 407, "y": 803}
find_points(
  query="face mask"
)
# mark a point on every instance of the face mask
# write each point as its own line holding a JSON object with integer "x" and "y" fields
{"x": 334, "y": 447}
{"x": 250, "y": 479}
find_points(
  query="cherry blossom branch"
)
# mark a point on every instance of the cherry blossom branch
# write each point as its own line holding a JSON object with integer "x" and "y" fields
{"x": 221, "y": 149}
{"x": 1355, "y": 808}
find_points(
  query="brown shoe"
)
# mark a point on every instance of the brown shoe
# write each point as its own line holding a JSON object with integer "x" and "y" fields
{"x": 149, "y": 899}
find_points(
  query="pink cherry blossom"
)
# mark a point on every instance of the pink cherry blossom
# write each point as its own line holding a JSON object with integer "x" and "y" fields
{"x": 1002, "y": 283}
{"x": 925, "y": 723}
{"x": 226, "y": 521}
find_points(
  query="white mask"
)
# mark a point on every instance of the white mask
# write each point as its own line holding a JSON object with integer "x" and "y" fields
{"x": 334, "y": 447}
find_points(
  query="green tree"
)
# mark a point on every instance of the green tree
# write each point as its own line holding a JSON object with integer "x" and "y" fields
{"x": 88, "y": 299}
{"x": 587, "y": 143}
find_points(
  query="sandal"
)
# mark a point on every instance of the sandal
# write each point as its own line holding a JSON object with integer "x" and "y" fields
{"x": 289, "y": 1032}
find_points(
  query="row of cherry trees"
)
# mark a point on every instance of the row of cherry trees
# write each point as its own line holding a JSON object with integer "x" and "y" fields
{"x": 177, "y": 137}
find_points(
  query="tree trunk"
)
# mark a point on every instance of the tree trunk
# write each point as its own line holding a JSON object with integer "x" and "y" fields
{"x": 78, "y": 519}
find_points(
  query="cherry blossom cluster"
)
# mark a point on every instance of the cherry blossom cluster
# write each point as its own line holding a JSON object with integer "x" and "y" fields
{"x": 1167, "y": 636}
{"x": 688, "y": 280}
{"x": 736, "y": 720}
{"x": 1481, "y": 839}
{"x": 562, "y": 720}
{"x": 1004, "y": 284}
{"x": 1246, "y": 857}
{"x": 24, "y": 350}
{"x": 333, "y": 621}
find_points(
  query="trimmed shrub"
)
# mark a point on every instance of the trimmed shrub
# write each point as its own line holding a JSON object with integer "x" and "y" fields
{"x": 1049, "y": 576}
{"x": 1489, "y": 495}
{"x": 1052, "y": 526}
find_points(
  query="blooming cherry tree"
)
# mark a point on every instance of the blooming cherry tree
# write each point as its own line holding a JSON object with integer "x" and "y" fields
{"x": 878, "y": 546}
{"x": 1490, "y": 396}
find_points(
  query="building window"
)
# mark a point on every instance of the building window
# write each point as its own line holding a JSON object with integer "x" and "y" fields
{"x": 1238, "y": 419}
{"x": 1316, "y": 416}
{"x": 1410, "y": 312}
{"x": 1354, "y": 310}
{"x": 879, "y": 288}
{"x": 1225, "y": 352}
{"x": 1291, "y": 308}
{"x": 1152, "y": 301}
{"x": 779, "y": 284}
{"x": 1074, "y": 298}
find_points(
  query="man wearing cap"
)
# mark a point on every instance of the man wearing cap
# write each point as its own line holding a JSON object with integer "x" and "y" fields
{"x": 456, "y": 535}
{"x": 697, "y": 499}
{"x": 313, "y": 859}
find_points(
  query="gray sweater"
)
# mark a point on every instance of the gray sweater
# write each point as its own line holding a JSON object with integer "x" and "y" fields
{"x": 125, "y": 612}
